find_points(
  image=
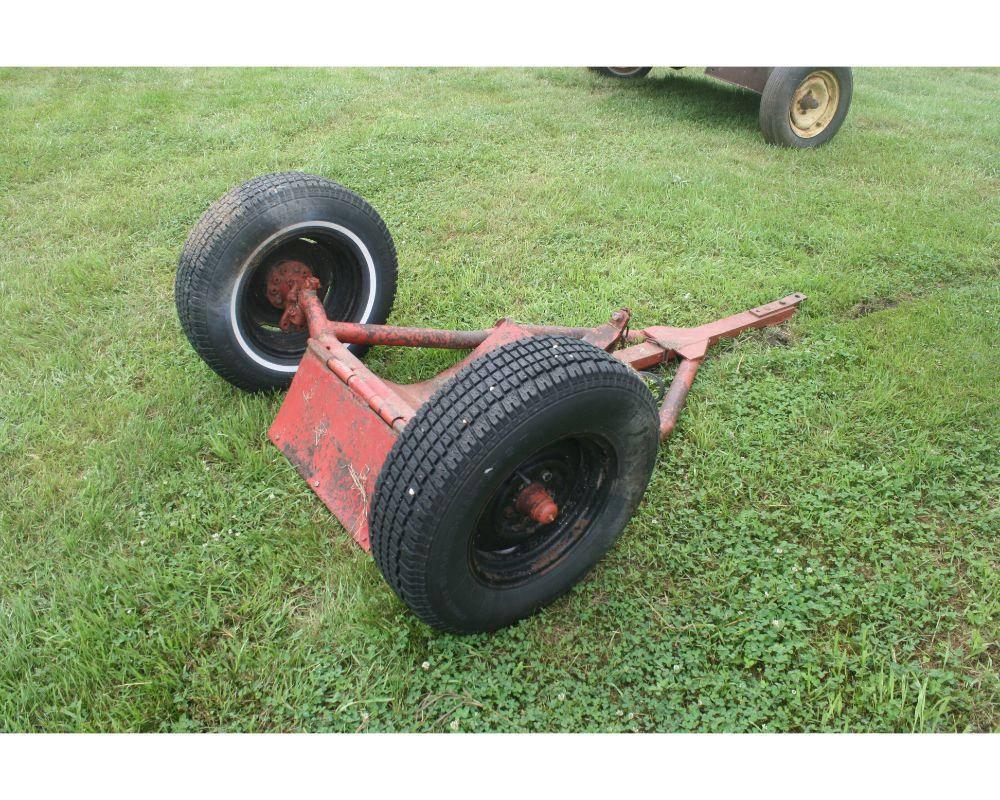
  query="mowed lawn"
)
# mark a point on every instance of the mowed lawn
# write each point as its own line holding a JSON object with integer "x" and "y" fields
{"x": 817, "y": 549}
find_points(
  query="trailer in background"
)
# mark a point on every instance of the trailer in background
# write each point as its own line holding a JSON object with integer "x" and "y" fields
{"x": 799, "y": 106}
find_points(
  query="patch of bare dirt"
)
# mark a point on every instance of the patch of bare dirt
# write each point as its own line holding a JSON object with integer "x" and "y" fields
{"x": 870, "y": 306}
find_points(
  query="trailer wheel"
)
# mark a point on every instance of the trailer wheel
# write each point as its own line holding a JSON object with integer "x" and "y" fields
{"x": 623, "y": 72}
{"x": 805, "y": 106}
{"x": 512, "y": 481}
{"x": 280, "y": 222}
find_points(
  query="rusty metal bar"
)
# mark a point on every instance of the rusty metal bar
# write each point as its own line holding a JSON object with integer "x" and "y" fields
{"x": 357, "y": 333}
{"x": 676, "y": 395}
{"x": 554, "y": 330}
{"x": 397, "y": 336}
{"x": 314, "y": 311}
{"x": 394, "y": 410}
{"x": 643, "y": 355}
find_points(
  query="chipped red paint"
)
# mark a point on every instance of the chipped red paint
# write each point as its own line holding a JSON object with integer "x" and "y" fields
{"x": 339, "y": 420}
{"x": 534, "y": 501}
{"x": 334, "y": 440}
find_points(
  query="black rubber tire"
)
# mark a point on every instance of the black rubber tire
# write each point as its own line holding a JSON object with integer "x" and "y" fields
{"x": 229, "y": 246}
{"x": 638, "y": 72}
{"x": 777, "y": 97}
{"x": 464, "y": 444}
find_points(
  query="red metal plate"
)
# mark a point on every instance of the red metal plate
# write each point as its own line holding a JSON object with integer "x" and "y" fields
{"x": 335, "y": 440}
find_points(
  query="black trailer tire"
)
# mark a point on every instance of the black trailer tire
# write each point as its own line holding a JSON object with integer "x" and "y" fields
{"x": 623, "y": 73}
{"x": 546, "y": 409}
{"x": 805, "y": 106}
{"x": 220, "y": 285}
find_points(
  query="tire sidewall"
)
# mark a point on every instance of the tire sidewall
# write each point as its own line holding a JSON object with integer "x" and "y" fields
{"x": 235, "y": 258}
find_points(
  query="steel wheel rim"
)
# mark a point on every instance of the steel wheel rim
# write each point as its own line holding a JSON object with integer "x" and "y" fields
{"x": 814, "y": 103}
{"x": 330, "y": 256}
{"x": 506, "y": 548}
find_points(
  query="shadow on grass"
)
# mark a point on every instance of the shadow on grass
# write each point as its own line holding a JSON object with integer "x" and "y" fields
{"x": 690, "y": 97}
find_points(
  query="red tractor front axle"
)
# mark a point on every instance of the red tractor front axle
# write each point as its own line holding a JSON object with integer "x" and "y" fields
{"x": 483, "y": 493}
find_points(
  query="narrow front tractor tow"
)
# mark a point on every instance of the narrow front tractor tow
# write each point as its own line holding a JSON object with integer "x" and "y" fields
{"x": 483, "y": 493}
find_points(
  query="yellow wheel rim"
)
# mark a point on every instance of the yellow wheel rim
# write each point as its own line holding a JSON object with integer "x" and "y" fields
{"x": 814, "y": 103}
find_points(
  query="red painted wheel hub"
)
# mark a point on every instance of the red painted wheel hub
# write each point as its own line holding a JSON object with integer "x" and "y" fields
{"x": 285, "y": 281}
{"x": 535, "y": 502}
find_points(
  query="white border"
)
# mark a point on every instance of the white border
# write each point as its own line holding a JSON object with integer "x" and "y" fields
{"x": 234, "y": 317}
{"x": 509, "y": 33}
{"x": 444, "y": 766}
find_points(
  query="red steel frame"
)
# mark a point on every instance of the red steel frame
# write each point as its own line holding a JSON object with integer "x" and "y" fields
{"x": 339, "y": 419}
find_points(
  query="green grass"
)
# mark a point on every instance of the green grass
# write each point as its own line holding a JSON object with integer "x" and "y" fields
{"x": 817, "y": 549}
